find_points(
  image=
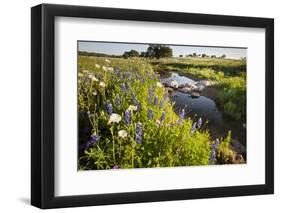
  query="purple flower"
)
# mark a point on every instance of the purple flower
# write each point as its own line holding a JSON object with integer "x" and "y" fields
{"x": 134, "y": 99}
{"x": 123, "y": 86}
{"x": 139, "y": 133}
{"x": 117, "y": 100}
{"x": 127, "y": 117}
{"x": 212, "y": 156}
{"x": 193, "y": 128}
{"x": 93, "y": 140}
{"x": 163, "y": 116}
{"x": 215, "y": 147}
{"x": 162, "y": 102}
{"x": 155, "y": 101}
{"x": 138, "y": 105}
{"x": 115, "y": 167}
{"x": 214, "y": 151}
{"x": 199, "y": 123}
{"x": 150, "y": 114}
{"x": 108, "y": 107}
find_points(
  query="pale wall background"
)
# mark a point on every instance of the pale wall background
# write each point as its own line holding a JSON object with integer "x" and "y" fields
{"x": 15, "y": 106}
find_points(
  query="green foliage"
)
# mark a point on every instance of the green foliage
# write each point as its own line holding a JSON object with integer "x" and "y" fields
{"x": 232, "y": 97}
{"x": 225, "y": 155}
{"x": 159, "y": 51}
{"x": 165, "y": 141}
{"x": 131, "y": 53}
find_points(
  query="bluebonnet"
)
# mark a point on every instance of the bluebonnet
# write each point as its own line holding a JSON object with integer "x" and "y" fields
{"x": 117, "y": 100}
{"x": 123, "y": 86}
{"x": 93, "y": 140}
{"x": 138, "y": 105}
{"x": 134, "y": 99}
{"x": 215, "y": 147}
{"x": 212, "y": 156}
{"x": 108, "y": 107}
{"x": 155, "y": 101}
{"x": 150, "y": 114}
{"x": 163, "y": 116}
{"x": 214, "y": 151}
{"x": 139, "y": 133}
{"x": 127, "y": 117}
{"x": 199, "y": 123}
{"x": 193, "y": 128}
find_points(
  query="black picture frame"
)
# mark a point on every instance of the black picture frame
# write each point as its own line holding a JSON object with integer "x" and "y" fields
{"x": 43, "y": 117}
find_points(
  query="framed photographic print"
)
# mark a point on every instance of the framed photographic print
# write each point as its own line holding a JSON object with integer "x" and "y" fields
{"x": 139, "y": 106}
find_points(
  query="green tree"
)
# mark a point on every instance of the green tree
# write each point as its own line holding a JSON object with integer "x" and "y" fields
{"x": 131, "y": 53}
{"x": 159, "y": 51}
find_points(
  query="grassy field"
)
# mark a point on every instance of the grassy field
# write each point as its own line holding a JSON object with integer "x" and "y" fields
{"x": 126, "y": 119}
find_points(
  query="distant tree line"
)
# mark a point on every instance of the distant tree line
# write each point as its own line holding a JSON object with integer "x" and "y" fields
{"x": 153, "y": 51}
{"x": 203, "y": 55}
{"x": 85, "y": 53}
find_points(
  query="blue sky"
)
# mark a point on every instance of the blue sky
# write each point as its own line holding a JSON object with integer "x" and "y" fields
{"x": 120, "y": 48}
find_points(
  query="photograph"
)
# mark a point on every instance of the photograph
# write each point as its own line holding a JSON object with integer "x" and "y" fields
{"x": 154, "y": 105}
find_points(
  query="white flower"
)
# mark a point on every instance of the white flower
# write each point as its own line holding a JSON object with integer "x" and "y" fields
{"x": 159, "y": 84}
{"x": 91, "y": 76}
{"x": 122, "y": 133}
{"x": 97, "y": 66}
{"x": 104, "y": 68}
{"x": 107, "y": 60}
{"x": 95, "y": 93}
{"x": 158, "y": 122}
{"x": 102, "y": 84}
{"x": 114, "y": 118}
{"x": 110, "y": 69}
{"x": 132, "y": 108}
{"x": 80, "y": 74}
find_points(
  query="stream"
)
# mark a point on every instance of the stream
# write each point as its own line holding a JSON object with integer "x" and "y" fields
{"x": 218, "y": 123}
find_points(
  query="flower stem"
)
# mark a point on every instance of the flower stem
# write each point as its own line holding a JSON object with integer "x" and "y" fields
{"x": 113, "y": 144}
